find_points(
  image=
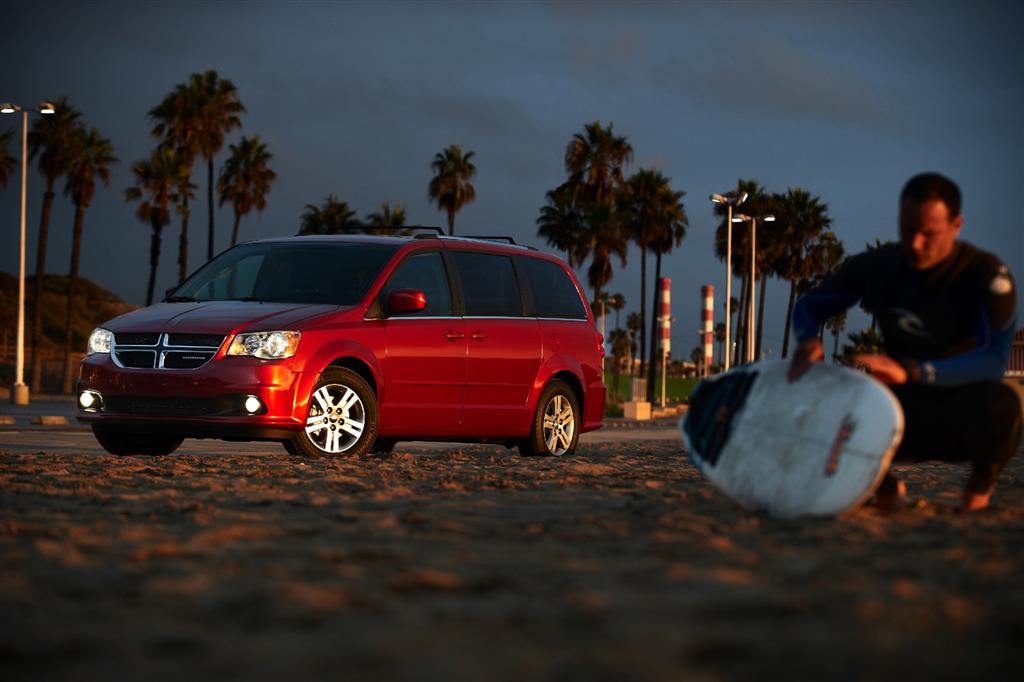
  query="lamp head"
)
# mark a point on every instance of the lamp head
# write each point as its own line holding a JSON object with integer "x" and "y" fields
{"x": 47, "y": 108}
{"x": 8, "y": 108}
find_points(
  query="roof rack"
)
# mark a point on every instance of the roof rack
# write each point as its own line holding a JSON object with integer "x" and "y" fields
{"x": 495, "y": 238}
{"x": 362, "y": 229}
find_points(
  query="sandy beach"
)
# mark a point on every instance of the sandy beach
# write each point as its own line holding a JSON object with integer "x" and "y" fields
{"x": 619, "y": 563}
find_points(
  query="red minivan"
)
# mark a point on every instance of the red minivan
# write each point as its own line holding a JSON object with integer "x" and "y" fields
{"x": 343, "y": 344}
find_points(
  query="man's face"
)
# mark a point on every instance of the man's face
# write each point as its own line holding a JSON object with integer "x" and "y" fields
{"x": 927, "y": 232}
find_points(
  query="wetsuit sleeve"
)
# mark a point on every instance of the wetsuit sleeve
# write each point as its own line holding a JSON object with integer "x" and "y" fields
{"x": 837, "y": 293}
{"x": 993, "y": 338}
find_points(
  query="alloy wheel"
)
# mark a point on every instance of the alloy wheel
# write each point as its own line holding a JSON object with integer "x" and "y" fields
{"x": 337, "y": 418}
{"x": 559, "y": 425}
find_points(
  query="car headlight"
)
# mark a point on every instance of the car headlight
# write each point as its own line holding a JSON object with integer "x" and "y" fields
{"x": 265, "y": 345}
{"x": 100, "y": 341}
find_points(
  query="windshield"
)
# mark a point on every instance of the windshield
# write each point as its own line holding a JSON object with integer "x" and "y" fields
{"x": 276, "y": 272}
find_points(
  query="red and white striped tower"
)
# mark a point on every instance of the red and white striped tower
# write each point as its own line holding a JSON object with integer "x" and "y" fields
{"x": 665, "y": 285}
{"x": 707, "y": 292}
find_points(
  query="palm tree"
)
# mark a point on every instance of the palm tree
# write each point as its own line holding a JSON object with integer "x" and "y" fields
{"x": 644, "y": 203}
{"x": 667, "y": 232}
{"x": 561, "y": 224}
{"x": 865, "y": 341}
{"x": 176, "y": 125}
{"x": 386, "y": 216}
{"x": 184, "y": 192}
{"x": 7, "y": 162}
{"x": 51, "y": 140}
{"x": 720, "y": 338}
{"x": 617, "y": 302}
{"x": 245, "y": 179}
{"x": 217, "y": 110}
{"x": 331, "y": 217}
{"x": 451, "y": 187}
{"x": 595, "y": 161}
{"x": 800, "y": 219}
{"x": 825, "y": 254}
{"x": 583, "y": 217}
{"x": 835, "y": 326}
{"x": 91, "y": 157}
{"x": 158, "y": 180}
{"x": 633, "y": 324}
{"x": 622, "y": 348}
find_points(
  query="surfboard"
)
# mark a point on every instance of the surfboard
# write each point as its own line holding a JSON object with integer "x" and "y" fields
{"x": 818, "y": 446}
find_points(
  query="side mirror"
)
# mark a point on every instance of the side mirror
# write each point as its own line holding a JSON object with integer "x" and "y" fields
{"x": 404, "y": 301}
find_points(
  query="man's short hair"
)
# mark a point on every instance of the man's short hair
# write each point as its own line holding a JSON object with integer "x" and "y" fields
{"x": 930, "y": 186}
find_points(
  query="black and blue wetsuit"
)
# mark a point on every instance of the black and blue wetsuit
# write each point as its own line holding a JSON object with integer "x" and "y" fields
{"x": 951, "y": 327}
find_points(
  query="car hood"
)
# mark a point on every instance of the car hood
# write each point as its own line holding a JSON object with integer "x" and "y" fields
{"x": 218, "y": 317}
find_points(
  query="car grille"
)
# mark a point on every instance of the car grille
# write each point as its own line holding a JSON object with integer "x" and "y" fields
{"x": 159, "y": 406}
{"x": 164, "y": 351}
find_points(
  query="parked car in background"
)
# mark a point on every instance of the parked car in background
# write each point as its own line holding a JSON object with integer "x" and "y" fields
{"x": 336, "y": 345}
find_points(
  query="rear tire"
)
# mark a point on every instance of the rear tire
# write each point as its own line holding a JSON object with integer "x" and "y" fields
{"x": 342, "y": 417}
{"x": 122, "y": 443}
{"x": 556, "y": 424}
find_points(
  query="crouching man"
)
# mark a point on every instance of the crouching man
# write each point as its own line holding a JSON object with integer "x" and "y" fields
{"x": 947, "y": 312}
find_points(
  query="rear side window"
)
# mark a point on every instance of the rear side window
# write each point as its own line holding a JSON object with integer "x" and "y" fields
{"x": 554, "y": 294}
{"x": 489, "y": 284}
{"x": 424, "y": 272}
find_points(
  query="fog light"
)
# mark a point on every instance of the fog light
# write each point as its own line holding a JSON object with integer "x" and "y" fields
{"x": 253, "y": 404}
{"x": 90, "y": 400}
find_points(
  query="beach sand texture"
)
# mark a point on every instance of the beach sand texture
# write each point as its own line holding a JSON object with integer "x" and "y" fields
{"x": 619, "y": 563}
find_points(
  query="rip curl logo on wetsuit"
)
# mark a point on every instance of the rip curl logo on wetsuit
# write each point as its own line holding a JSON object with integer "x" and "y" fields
{"x": 1001, "y": 284}
{"x": 909, "y": 322}
{"x": 842, "y": 437}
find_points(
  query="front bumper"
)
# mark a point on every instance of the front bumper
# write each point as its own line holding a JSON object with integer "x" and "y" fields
{"x": 201, "y": 403}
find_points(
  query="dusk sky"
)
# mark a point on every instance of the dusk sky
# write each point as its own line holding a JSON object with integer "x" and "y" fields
{"x": 843, "y": 99}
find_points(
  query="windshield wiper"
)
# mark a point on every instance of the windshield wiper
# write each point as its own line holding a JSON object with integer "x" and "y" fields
{"x": 181, "y": 299}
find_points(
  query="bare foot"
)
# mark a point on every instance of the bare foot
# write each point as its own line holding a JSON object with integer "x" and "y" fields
{"x": 975, "y": 501}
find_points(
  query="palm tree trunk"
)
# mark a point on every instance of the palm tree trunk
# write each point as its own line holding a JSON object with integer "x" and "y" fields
{"x": 36, "y": 382}
{"x": 789, "y": 318}
{"x": 154, "y": 260}
{"x": 209, "y": 201}
{"x": 835, "y": 344}
{"x": 183, "y": 243}
{"x": 741, "y": 323}
{"x": 655, "y": 307}
{"x": 76, "y": 247}
{"x": 451, "y": 223}
{"x": 234, "y": 230}
{"x": 643, "y": 310}
{"x": 760, "y": 317}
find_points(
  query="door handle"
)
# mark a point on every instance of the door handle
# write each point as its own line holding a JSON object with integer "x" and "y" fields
{"x": 478, "y": 336}
{"x": 454, "y": 336}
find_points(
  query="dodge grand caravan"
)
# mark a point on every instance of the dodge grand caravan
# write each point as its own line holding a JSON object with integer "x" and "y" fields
{"x": 336, "y": 345}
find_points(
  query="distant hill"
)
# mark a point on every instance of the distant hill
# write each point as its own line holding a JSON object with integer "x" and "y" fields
{"x": 94, "y": 305}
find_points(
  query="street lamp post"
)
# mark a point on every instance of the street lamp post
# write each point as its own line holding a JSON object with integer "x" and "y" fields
{"x": 753, "y": 276}
{"x": 729, "y": 200}
{"x": 19, "y": 392}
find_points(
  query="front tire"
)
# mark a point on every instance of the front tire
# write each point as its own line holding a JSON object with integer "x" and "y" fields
{"x": 556, "y": 424}
{"x": 123, "y": 444}
{"x": 342, "y": 417}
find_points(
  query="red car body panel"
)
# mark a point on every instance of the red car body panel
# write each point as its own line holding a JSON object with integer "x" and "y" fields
{"x": 455, "y": 376}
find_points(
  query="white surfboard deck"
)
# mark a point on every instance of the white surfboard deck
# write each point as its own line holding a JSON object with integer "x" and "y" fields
{"x": 818, "y": 446}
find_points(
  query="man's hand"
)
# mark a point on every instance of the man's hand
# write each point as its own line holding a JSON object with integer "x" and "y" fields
{"x": 806, "y": 354}
{"x": 881, "y": 367}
